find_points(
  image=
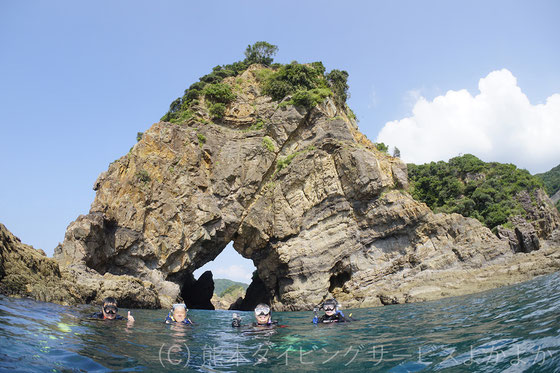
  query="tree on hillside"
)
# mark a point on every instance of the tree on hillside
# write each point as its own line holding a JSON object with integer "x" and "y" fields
{"x": 338, "y": 80}
{"x": 260, "y": 52}
{"x": 382, "y": 147}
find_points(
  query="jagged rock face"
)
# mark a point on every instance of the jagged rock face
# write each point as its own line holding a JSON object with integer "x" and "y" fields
{"x": 541, "y": 213}
{"x": 540, "y": 222}
{"x": 332, "y": 218}
{"x": 26, "y": 272}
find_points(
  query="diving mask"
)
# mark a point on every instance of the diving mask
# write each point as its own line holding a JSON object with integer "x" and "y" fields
{"x": 180, "y": 305}
{"x": 110, "y": 309}
{"x": 263, "y": 310}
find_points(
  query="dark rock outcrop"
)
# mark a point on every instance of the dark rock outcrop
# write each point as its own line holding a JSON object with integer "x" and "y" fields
{"x": 197, "y": 294}
{"x": 26, "y": 272}
{"x": 256, "y": 293}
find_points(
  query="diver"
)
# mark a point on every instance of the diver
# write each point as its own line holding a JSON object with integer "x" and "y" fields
{"x": 178, "y": 314}
{"x": 262, "y": 316}
{"x": 332, "y": 313}
{"x": 109, "y": 311}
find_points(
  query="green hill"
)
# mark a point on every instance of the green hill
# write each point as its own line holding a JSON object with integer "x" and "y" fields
{"x": 551, "y": 181}
{"x": 222, "y": 285}
{"x": 473, "y": 188}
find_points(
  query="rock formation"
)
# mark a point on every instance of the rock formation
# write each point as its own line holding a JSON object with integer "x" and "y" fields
{"x": 26, "y": 272}
{"x": 540, "y": 221}
{"x": 198, "y": 294}
{"x": 316, "y": 207}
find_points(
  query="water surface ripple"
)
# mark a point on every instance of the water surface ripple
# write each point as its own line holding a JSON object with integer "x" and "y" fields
{"x": 512, "y": 329}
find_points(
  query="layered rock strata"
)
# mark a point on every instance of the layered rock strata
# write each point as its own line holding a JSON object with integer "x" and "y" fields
{"x": 307, "y": 198}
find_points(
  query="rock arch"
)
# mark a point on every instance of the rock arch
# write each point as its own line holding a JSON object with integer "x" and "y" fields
{"x": 308, "y": 198}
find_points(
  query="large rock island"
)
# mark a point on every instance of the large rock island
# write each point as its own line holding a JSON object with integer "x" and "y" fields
{"x": 301, "y": 192}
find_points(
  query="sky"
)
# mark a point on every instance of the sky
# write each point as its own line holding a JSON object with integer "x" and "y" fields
{"x": 436, "y": 79}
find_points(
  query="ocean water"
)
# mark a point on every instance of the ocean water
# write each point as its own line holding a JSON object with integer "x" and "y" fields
{"x": 511, "y": 329}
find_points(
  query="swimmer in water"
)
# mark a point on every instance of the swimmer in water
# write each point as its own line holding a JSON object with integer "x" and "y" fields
{"x": 178, "y": 314}
{"x": 262, "y": 315}
{"x": 109, "y": 311}
{"x": 332, "y": 313}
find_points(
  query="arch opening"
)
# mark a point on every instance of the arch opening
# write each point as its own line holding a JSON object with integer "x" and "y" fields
{"x": 220, "y": 282}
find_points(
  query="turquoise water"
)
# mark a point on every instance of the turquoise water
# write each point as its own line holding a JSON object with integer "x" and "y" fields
{"x": 513, "y": 329}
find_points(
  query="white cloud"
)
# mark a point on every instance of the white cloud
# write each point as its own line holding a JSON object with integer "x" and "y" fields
{"x": 498, "y": 124}
{"x": 233, "y": 272}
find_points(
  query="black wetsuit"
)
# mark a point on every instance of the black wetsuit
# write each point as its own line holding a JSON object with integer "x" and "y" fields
{"x": 237, "y": 324}
{"x": 270, "y": 324}
{"x": 100, "y": 316}
{"x": 337, "y": 317}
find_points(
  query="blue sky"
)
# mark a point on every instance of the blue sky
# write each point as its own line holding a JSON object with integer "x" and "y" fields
{"x": 78, "y": 80}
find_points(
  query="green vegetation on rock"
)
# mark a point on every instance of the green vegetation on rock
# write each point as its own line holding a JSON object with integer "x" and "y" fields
{"x": 217, "y": 110}
{"x": 551, "y": 180}
{"x": 338, "y": 81}
{"x": 201, "y": 139}
{"x": 285, "y": 161}
{"x": 308, "y": 98}
{"x": 233, "y": 289}
{"x": 382, "y": 147}
{"x": 472, "y": 188}
{"x": 269, "y": 144}
{"x": 211, "y": 87}
{"x": 294, "y": 77}
{"x": 224, "y": 286}
{"x": 306, "y": 83}
{"x": 219, "y": 93}
{"x": 257, "y": 126}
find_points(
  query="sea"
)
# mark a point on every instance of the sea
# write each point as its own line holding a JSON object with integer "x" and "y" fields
{"x": 509, "y": 329}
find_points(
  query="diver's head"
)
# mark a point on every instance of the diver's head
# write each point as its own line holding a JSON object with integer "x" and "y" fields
{"x": 179, "y": 312}
{"x": 330, "y": 307}
{"x": 262, "y": 313}
{"x": 110, "y": 308}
